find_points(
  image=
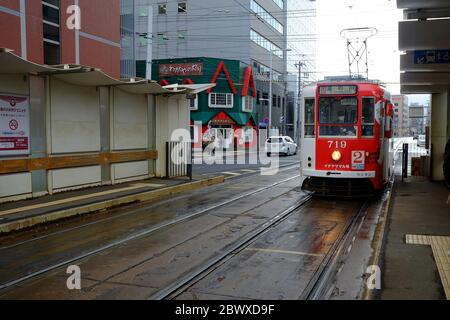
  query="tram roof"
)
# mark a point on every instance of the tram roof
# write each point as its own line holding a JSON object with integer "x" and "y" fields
{"x": 351, "y": 80}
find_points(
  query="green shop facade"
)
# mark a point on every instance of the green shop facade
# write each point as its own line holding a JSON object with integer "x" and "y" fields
{"x": 226, "y": 112}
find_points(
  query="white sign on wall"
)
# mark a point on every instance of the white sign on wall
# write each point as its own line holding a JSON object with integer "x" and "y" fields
{"x": 14, "y": 125}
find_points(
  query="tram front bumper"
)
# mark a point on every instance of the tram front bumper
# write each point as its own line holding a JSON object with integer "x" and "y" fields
{"x": 339, "y": 174}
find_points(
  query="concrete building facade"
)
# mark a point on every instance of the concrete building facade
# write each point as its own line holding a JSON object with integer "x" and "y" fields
{"x": 251, "y": 31}
{"x": 41, "y": 31}
{"x": 419, "y": 118}
{"x": 401, "y": 115}
{"x": 136, "y": 27}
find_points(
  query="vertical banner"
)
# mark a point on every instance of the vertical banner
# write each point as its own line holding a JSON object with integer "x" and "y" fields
{"x": 14, "y": 126}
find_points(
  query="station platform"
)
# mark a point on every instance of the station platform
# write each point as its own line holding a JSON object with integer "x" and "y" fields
{"x": 18, "y": 215}
{"x": 416, "y": 253}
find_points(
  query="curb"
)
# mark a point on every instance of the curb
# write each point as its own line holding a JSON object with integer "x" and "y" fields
{"x": 379, "y": 239}
{"x": 106, "y": 204}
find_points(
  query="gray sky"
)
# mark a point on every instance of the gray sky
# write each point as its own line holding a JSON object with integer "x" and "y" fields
{"x": 335, "y": 15}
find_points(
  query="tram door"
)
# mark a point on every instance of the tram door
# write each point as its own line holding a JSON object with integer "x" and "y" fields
{"x": 224, "y": 136}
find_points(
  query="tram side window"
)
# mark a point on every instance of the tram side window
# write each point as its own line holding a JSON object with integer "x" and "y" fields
{"x": 368, "y": 117}
{"x": 310, "y": 118}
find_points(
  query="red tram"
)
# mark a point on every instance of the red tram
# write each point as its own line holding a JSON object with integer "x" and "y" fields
{"x": 346, "y": 128}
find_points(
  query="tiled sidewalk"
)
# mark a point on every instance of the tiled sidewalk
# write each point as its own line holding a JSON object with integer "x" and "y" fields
{"x": 412, "y": 270}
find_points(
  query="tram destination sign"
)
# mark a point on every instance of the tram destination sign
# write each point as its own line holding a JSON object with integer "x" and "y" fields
{"x": 330, "y": 90}
{"x": 432, "y": 56}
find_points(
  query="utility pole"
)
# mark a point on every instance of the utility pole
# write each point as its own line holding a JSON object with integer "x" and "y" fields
{"x": 271, "y": 85}
{"x": 297, "y": 120}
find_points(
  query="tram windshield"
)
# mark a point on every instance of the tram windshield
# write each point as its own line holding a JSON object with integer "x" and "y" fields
{"x": 338, "y": 116}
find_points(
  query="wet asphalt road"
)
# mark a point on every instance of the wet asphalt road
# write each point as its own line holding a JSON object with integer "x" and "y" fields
{"x": 275, "y": 267}
{"x": 279, "y": 265}
{"x": 204, "y": 169}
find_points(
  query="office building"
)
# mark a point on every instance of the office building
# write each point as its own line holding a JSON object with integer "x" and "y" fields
{"x": 401, "y": 115}
{"x": 43, "y": 32}
{"x": 136, "y": 31}
{"x": 251, "y": 31}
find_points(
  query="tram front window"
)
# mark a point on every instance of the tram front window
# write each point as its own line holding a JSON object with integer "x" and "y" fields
{"x": 338, "y": 117}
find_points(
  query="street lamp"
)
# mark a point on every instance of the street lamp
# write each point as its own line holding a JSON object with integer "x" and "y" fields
{"x": 270, "y": 84}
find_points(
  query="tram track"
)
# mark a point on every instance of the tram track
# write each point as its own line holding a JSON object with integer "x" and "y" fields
{"x": 319, "y": 286}
{"x": 178, "y": 287}
{"x": 131, "y": 237}
{"x": 134, "y": 211}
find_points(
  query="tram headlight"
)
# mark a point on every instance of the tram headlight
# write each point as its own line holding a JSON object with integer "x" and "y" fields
{"x": 336, "y": 155}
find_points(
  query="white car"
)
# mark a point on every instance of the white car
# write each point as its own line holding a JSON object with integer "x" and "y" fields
{"x": 281, "y": 145}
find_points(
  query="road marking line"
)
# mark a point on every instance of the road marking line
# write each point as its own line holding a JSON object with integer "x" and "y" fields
{"x": 249, "y": 170}
{"x": 63, "y": 201}
{"x": 298, "y": 253}
{"x": 441, "y": 248}
{"x": 232, "y": 173}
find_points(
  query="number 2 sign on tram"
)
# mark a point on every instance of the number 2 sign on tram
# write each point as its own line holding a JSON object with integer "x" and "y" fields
{"x": 358, "y": 160}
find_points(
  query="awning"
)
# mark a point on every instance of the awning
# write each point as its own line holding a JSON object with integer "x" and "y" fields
{"x": 13, "y": 64}
{"x": 190, "y": 88}
{"x": 88, "y": 76}
{"x": 239, "y": 118}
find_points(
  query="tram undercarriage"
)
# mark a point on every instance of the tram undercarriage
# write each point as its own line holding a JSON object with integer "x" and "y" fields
{"x": 342, "y": 187}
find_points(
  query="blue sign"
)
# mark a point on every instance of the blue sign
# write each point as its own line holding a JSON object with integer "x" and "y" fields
{"x": 266, "y": 120}
{"x": 262, "y": 125}
{"x": 432, "y": 56}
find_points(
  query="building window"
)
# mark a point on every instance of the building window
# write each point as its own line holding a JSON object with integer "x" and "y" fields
{"x": 221, "y": 100}
{"x": 258, "y": 97}
{"x": 182, "y": 7}
{"x": 247, "y": 103}
{"x": 265, "y": 71}
{"x": 143, "y": 42}
{"x": 265, "y": 98}
{"x": 266, "y": 16}
{"x": 162, "y": 8}
{"x": 51, "y": 32}
{"x": 162, "y": 38}
{"x": 265, "y": 43}
{"x": 182, "y": 35}
{"x": 143, "y": 12}
{"x": 193, "y": 103}
{"x": 279, "y": 3}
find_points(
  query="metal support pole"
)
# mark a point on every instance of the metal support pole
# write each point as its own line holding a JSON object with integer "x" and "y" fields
{"x": 270, "y": 92}
{"x": 405, "y": 162}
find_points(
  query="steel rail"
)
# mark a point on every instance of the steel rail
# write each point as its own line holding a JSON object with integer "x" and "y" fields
{"x": 319, "y": 286}
{"x": 181, "y": 285}
{"x": 139, "y": 235}
{"x": 133, "y": 211}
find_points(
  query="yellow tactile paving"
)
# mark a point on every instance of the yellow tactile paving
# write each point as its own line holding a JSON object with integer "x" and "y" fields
{"x": 417, "y": 239}
{"x": 441, "y": 253}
